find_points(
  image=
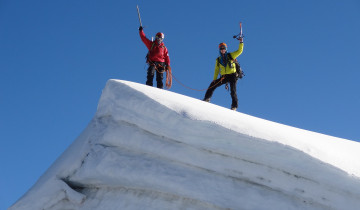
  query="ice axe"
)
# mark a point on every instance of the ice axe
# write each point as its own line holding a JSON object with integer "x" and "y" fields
{"x": 240, "y": 35}
{"x": 138, "y": 11}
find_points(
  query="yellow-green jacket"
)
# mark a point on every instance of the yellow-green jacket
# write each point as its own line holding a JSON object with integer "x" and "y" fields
{"x": 228, "y": 69}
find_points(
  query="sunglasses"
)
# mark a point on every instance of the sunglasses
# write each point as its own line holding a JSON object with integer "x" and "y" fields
{"x": 223, "y": 48}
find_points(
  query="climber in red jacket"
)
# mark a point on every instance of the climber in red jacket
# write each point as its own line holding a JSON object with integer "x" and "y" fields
{"x": 158, "y": 59}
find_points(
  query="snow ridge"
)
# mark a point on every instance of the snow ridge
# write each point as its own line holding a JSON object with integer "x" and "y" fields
{"x": 153, "y": 148}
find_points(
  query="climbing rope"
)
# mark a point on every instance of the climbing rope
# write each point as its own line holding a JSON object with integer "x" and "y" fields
{"x": 221, "y": 79}
{"x": 169, "y": 77}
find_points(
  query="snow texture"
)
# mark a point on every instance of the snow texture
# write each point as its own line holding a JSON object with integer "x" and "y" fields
{"x": 148, "y": 148}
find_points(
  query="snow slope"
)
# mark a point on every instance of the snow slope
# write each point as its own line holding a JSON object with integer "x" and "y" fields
{"x": 148, "y": 148}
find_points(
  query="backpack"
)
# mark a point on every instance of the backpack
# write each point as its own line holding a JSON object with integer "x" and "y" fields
{"x": 239, "y": 72}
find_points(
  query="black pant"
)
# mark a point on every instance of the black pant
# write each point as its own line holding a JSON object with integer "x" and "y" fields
{"x": 227, "y": 78}
{"x": 159, "y": 69}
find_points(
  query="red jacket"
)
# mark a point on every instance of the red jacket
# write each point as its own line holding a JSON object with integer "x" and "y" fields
{"x": 158, "y": 53}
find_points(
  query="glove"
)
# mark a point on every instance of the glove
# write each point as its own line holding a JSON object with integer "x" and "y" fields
{"x": 227, "y": 86}
{"x": 168, "y": 68}
{"x": 241, "y": 39}
{"x": 140, "y": 28}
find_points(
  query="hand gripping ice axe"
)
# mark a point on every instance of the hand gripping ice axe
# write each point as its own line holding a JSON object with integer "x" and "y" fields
{"x": 138, "y": 11}
{"x": 240, "y": 35}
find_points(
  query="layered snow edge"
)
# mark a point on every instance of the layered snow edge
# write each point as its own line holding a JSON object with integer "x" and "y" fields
{"x": 341, "y": 153}
{"x": 129, "y": 111}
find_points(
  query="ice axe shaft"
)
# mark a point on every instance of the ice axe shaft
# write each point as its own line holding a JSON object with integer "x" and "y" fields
{"x": 138, "y": 11}
{"x": 241, "y": 35}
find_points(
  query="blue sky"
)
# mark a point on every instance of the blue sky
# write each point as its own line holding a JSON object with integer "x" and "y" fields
{"x": 301, "y": 60}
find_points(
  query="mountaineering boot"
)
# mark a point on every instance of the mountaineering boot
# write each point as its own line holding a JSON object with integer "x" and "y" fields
{"x": 233, "y": 108}
{"x": 206, "y": 99}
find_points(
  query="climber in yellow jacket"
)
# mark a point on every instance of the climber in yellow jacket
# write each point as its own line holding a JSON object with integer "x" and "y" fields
{"x": 226, "y": 66}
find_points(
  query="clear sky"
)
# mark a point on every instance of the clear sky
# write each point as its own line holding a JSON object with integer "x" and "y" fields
{"x": 301, "y": 60}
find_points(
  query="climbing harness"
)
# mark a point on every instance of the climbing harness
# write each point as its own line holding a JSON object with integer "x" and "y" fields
{"x": 160, "y": 69}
